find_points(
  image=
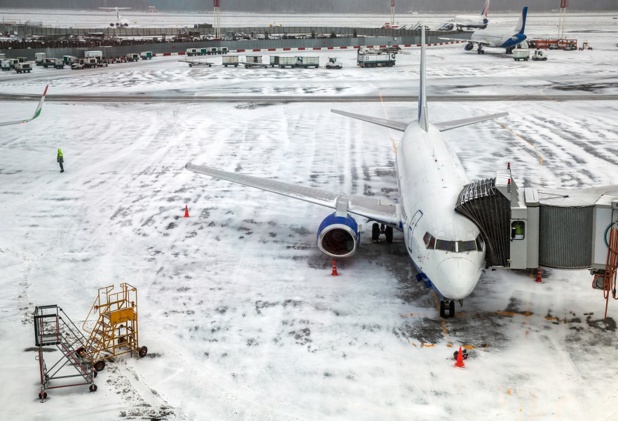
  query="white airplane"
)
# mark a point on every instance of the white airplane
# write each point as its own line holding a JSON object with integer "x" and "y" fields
{"x": 37, "y": 112}
{"x": 497, "y": 38}
{"x": 446, "y": 248}
{"x": 467, "y": 21}
{"x": 120, "y": 21}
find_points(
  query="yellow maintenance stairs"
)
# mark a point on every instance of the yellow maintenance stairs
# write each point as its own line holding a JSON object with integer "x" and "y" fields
{"x": 115, "y": 331}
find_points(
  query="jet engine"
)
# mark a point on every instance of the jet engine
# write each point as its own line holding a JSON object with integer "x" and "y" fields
{"x": 338, "y": 236}
{"x": 469, "y": 46}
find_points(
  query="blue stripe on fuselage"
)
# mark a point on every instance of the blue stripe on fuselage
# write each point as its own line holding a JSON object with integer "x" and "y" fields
{"x": 514, "y": 40}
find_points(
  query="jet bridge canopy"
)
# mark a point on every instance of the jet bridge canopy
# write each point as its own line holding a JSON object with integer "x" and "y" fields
{"x": 554, "y": 227}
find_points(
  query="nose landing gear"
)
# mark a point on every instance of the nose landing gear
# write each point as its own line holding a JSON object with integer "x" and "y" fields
{"x": 378, "y": 229}
{"x": 447, "y": 306}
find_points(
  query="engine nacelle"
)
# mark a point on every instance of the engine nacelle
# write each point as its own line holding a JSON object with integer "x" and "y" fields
{"x": 338, "y": 236}
{"x": 469, "y": 46}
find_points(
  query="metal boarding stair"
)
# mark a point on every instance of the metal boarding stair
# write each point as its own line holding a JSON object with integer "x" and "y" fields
{"x": 52, "y": 327}
{"x": 490, "y": 210}
{"x": 115, "y": 331}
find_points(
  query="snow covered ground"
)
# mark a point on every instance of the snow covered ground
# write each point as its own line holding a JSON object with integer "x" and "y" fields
{"x": 237, "y": 308}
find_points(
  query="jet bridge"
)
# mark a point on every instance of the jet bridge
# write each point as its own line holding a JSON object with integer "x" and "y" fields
{"x": 527, "y": 228}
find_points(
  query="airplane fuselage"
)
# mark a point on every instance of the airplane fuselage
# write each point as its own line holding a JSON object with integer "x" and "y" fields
{"x": 497, "y": 39}
{"x": 442, "y": 244}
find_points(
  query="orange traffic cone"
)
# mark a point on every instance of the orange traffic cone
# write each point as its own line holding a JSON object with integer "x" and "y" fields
{"x": 186, "y": 211}
{"x": 460, "y": 362}
{"x": 334, "y": 272}
{"x": 538, "y": 279}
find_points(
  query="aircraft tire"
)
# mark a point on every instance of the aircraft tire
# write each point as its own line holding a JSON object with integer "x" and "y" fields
{"x": 442, "y": 309}
{"x": 375, "y": 233}
{"x": 389, "y": 235}
{"x": 451, "y": 309}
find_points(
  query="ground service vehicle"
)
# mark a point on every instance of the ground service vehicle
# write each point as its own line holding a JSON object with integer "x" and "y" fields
{"x": 375, "y": 58}
{"x": 333, "y": 63}
{"x": 298, "y": 61}
{"x": 230, "y": 60}
{"x": 539, "y": 55}
{"x": 132, "y": 57}
{"x": 23, "y": 67}
{"x": 521, "y": 54}
{"x": 146, "y": 55}
{"x": 39, "y": 58}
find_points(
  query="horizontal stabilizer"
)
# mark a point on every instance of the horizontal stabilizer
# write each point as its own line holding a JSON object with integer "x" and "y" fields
{"x": 391, "y": 124}
{"x": 453, "y": 124}
{"x": 376, "y": 209}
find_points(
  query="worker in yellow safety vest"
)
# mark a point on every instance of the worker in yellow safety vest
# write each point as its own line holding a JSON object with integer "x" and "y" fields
{"x": 60, "y": 160}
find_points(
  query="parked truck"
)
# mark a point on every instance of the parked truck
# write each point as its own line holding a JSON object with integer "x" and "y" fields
{"x": 146, "y": 55}
{"x": 23, "y": 67}
{"x": 5, "y": 65}
{"x": 68, "y": 60}
{"x": 94, "y": 54}
{"x": 298, "y": 61}
{"x": 50, "y": 62}
{"x": 39, "y": 58}
{"x": 375, "y": 58}
{"x": 132, "y": 57}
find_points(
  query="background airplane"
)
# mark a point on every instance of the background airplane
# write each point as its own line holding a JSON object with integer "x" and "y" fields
{"x": 37, "y": 112}
{"x": 446, "y": 248}
{"x": 497, "y": 38}
{"x": 468, "y": 21}
{"x": 120, "y": 21}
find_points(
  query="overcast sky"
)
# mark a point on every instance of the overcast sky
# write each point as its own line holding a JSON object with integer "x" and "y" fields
{"x": 321, "y": 6}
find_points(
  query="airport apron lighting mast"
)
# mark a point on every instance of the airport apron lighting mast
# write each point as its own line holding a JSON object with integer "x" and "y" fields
{"x": 562, "y": 20}
{"x": 218, "y": 19}
{"x": 392, "y": 13}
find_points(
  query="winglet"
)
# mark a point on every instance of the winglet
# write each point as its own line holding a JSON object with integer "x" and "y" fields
{"x": 37, "y": 112}
{"x": 521, "y": 24}
{"x": 422, "y": 119}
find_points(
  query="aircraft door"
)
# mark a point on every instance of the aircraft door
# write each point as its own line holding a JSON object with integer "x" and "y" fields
{"x": 410, "y": 229}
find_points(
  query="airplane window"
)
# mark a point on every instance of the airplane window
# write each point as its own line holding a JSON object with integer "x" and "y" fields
{"x": 429, "y": 240}
{"x": 445, "y": 245}
{"x": 463, "y": 246}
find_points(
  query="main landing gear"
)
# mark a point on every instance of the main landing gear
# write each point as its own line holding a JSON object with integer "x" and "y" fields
{"x": 480, "y": 49}
{"x": 447, "y": 306}
{"x": 378, "y": 229}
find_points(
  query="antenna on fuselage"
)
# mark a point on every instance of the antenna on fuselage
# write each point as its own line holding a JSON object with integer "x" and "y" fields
{"x": 422, "y": 119}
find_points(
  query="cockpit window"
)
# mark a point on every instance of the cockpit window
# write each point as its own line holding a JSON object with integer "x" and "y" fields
{"x": 430, "y": 241}
{"x": 454, "y": 246}
{"x": 463, "y": 246}
{"x": 446, "y": 245}
{"x": 479, "y": 243}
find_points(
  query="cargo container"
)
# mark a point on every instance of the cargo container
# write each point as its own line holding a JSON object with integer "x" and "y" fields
{"x": 230, "y": 60}
{"x": 298, "y": 61}
{"x": 39, "y": 58}
{"x": 375, "y": 58}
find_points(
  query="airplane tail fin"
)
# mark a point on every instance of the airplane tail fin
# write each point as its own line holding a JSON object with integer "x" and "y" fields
{"x": 423, "y": 120}
{"x": 521, "y": 25}
{"x": 485, "y": 10}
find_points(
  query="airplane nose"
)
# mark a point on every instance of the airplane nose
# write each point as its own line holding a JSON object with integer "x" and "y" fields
{"x": 457, "y": 277}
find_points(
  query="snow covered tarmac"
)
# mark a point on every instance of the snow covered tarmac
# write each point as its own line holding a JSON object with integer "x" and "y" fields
{"x": 238, "y": 310}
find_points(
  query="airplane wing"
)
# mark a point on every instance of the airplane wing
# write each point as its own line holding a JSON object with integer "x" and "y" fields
{"x": 453, "y": 124}
{"x": 37, "y": 112}
{"x": 391, "y": 124}
{"x": 381, "y": 210}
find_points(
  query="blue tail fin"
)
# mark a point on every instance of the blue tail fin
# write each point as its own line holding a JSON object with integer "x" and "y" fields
{"x": 521, "y": 25}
